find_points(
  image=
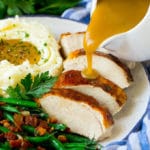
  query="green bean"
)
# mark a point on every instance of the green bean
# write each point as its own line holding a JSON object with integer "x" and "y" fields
{"x": 31, "y": 148}
{"x": 37, "y": 112}
{"x": 43, "y": 115}
{"x": 2, "y": 9}
{"x": 80, "y": 140}
{"x": 38, "y": 139}
{"x": 2, "y": 148}
{"x": 4, "y": 129}
{"x": 8, "y": 116}
{"x": 75, "y": 145}
{"x": 58, "y": 126}
{"x": 9, "y": 108}
{"x": 19, "y": 102}
{"x": 34, "y": 111}
{"x": 5, "y": 146}
{"x": 76, "y": 138}
{"x": 82, "y": 146}
{"x": 55, "y": 143}
{"x": 29, "y": 129}
{"x": 79, "y": 148}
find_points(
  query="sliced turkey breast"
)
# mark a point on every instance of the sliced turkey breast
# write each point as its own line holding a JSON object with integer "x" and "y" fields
{"x": 70, "y": 42}
{"x": 104, "y": 91}
{"x": 73, "y": 41}
{"x": 107, "y": 65}
{"x": 81, "y": 113}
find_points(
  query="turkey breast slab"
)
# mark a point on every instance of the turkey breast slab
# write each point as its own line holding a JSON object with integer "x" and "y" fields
{"x": 81, "y": 113}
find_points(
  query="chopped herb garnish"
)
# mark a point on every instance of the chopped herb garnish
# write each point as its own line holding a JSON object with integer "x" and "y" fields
{"x": 45, "y": 60}
{"x": 45, "y": 44}
{"x": 27, "y": 34}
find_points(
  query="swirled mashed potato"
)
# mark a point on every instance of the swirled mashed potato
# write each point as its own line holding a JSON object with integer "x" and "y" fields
{"x": 26, "y": 47}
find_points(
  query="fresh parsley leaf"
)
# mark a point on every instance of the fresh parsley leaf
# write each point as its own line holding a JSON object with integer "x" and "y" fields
{"x": 2, "y": 9}
{"x": 12, "y": 9}
{"x": 21, "y": 7}
{"x": 40, "y": 78}
{"x": 56, "y": 7}
{"x": 41, "y": 84}
{"x": 27, "y": 6}
{"x": 14, "y": 92}
{"x": 27, "y": 82}
{"x": 18, "y": 7}
{"x": 30, "y": 88}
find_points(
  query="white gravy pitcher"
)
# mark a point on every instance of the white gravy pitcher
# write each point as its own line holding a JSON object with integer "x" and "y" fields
{"x": 133, "y": 45}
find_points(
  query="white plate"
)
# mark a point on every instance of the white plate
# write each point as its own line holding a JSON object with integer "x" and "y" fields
{"x": 138, "y": 93}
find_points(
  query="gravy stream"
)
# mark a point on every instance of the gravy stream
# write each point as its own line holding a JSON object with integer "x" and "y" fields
{"x": 110, "y": 17}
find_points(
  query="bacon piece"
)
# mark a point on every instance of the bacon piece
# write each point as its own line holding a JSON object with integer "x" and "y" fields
{"x": 31, "y": 120}
{"x": 2, "y": 138}
{"x": 1, "y": 115}
{"x": 15, "y": 143}
{"x": 43, "y": 124}
{"x": 10, "y": 136}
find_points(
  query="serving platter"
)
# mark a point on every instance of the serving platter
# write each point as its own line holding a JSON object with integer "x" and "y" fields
{"x": 138, "y": 93}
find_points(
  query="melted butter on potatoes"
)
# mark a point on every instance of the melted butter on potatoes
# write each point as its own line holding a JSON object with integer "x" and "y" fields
{"x": 17, "y": 51}
{"x": 26, "y": 47}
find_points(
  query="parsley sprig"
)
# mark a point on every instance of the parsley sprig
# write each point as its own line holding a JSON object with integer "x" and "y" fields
{"x": 32, "y": 88}
{"x": 21, "y": 7}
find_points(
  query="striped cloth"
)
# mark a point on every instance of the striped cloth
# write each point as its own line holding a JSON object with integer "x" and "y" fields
{"x": 139, "y": 138}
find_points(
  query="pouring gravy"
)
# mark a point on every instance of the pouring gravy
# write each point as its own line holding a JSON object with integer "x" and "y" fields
{"x": 110, "y": 17}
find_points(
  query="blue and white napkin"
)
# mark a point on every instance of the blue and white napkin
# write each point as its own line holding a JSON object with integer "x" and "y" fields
{"x": 139, "y": 137}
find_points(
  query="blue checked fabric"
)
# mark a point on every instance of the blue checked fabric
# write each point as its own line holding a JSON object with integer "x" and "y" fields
{"x": 139, "y": 137}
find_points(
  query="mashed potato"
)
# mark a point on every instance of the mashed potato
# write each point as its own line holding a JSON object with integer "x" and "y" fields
{"x": 32, "y": 34}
